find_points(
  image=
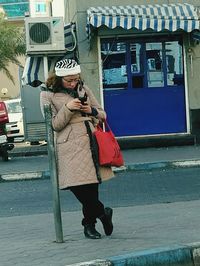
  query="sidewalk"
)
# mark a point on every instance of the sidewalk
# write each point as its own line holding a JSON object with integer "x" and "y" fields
{"x": 151, "y": 235}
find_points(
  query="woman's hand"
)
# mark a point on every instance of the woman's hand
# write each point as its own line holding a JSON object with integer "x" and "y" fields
{"x": 85, "y": 108}
{"x": 74, "y": 104}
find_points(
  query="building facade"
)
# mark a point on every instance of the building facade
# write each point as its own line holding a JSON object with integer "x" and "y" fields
{"x": 141, "y": 59}
{"x": 45, "y": 8}
{"x": 145, "y": 71}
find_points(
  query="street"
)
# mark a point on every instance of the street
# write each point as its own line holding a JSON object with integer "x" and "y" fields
{"x": 126, "y": 189}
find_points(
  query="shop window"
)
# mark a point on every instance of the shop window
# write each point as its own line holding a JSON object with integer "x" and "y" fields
{"x": 113, "y": 55}
{"x": 155, "y": 75}
{"x": 174, "y": 62}
{"x": 137, "y": 71}
{"x": 142, "y": 64}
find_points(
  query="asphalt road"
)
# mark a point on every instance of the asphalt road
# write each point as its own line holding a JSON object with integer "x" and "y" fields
{"x": 126, "y": 189}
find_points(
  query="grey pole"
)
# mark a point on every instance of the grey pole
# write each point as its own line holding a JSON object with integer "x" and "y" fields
{"x": 53, "y": 175}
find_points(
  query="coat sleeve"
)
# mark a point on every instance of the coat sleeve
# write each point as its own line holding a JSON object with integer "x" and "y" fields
{"x": 59, "y": 118}
{"x": 94, "y": 103}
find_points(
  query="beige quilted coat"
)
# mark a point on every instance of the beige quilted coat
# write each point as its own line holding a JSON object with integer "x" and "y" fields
{"x": 74, "y": 158}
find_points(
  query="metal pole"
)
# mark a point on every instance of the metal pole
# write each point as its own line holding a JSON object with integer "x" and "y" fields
{"x": 53, "y": 175}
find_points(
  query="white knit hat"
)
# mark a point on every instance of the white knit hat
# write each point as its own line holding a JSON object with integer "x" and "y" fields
{"x": 67, "y": 67}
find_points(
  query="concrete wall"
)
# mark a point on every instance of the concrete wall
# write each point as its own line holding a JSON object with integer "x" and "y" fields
{"x": 193, "y": 66}
{"x": 76, "y": 12}
{"x": 58, "y": 8}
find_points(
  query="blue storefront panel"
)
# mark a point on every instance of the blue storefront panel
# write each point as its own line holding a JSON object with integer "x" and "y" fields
{"x": 144, "y": 92}
{"x": 147, "y": 113}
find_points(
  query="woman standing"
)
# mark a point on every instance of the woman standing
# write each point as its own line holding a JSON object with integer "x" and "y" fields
{"x": 75, "y": 113}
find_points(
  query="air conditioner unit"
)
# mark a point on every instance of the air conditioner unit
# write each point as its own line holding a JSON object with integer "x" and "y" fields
{"x": 44, "y": 35}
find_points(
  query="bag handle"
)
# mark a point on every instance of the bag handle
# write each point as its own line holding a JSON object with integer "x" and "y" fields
{"x": 117, "y": 147}
{"x": 106, "y": 125}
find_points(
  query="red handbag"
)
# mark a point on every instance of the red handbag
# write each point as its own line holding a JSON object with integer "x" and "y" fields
{"x": 109, "y": 150}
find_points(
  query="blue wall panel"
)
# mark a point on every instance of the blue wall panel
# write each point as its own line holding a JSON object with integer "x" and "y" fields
{"x": 146, "y": 111}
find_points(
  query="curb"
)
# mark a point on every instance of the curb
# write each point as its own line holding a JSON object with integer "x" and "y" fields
{"x": 158, "y": 165}
{"x": 27, "y": 153}
{"x": 176, "y": 255}
{"x": 93, "y": 263}
{"x": 25, "y": 176}
{"x": 128, "y": 167}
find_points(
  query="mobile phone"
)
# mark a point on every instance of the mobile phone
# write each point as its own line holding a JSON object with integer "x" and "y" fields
{"x": 83, "y": 99}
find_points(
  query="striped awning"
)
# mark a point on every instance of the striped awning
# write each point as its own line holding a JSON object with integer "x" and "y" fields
{"x": 70, "y": 36}
{"x": 171, "y": 17}
{"x": 33, "y": 73}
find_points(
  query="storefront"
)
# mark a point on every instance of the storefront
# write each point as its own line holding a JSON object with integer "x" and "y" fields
{"x": 144, "y": 73}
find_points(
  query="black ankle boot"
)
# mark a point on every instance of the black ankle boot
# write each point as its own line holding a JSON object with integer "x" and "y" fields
{"x": 91, "y": 232}
{"x": 106, "y": 220}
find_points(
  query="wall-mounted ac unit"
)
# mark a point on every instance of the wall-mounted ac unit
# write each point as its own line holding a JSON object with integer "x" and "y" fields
{"x": 44, "y": 35}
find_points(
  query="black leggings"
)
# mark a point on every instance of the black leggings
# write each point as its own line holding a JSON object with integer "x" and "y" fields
{"x": 92, "y": 207}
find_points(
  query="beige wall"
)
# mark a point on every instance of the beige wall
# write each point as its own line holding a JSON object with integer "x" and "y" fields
{"x": 58, "y": 8}
{"x": 76, "y": 12}
{"x": 13, "y": 89}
